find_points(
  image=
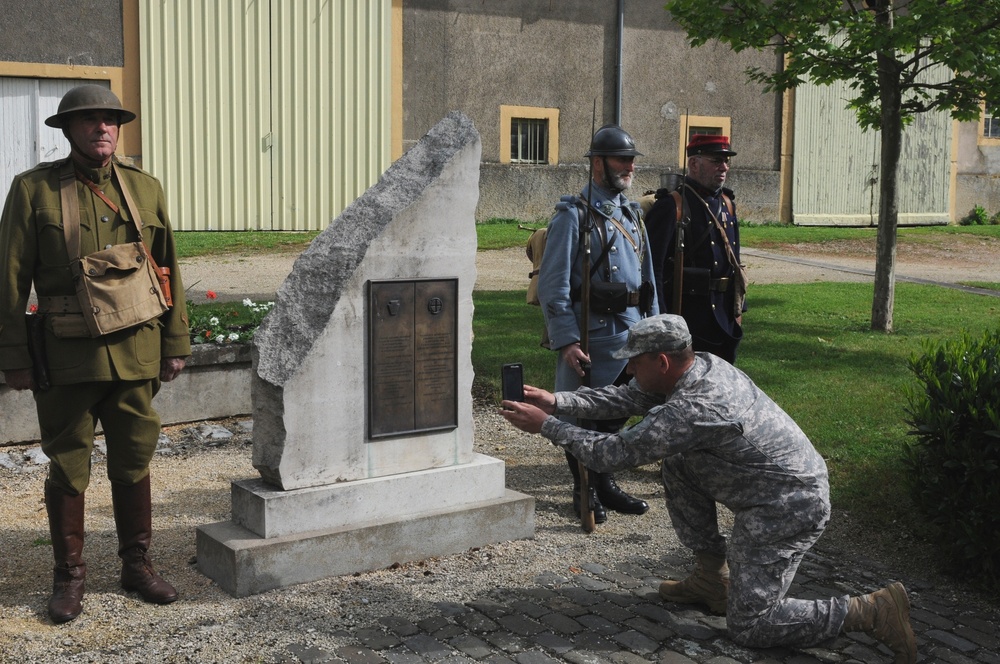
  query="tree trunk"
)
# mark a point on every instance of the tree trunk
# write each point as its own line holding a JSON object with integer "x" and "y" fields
{"x": 888, "y": 208}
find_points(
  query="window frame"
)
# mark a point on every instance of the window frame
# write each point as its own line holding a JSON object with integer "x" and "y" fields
{"x": 510, "y": 113}
{"x": 981, "y": 137}
{"x": 687, "y": 122}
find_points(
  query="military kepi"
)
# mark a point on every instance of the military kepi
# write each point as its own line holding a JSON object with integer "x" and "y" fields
{"x": 709, "y": 145}
{"x": 657, "y": 334}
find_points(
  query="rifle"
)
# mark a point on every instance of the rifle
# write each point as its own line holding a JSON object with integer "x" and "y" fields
{"x": 679, "y": 228}
{"x": 586, "y": 226}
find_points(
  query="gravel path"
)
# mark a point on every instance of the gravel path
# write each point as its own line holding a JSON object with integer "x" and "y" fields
{"x": 958, "y": 258}
{"x": 399, "y": 614}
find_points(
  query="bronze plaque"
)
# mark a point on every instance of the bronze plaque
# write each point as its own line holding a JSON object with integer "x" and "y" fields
{"x": 413, "y": 356}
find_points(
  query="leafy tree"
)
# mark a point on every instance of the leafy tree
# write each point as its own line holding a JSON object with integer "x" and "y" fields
{"x": 881, "y": 48}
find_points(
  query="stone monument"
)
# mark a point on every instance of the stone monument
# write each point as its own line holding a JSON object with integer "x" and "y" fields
{"x": 362, "y": 392}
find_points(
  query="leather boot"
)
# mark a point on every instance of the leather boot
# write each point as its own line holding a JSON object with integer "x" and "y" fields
{"x": 613, "y": 498}
{"x": 134, "y": 521}
{"x": 66, "y": 529}
{"x": 709, "y": 585}
{"x": 885, "y": 615}
{"x": 600, "y": 514}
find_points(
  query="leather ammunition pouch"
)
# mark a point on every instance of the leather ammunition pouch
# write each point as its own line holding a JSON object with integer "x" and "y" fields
{"x": 699, "y": 281}
{"x": 611, "y": 297}
{"x": 35, "y": 324}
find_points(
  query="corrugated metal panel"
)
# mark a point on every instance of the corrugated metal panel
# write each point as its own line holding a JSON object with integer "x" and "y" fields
{"x": 835, "y": 162}
{"x": 205, "y": 103}
{"x": 26, "y": 139}
{"x": 837, "y": 165}
{"x": 264, "y": 115}
{"x": 331, "y": 106}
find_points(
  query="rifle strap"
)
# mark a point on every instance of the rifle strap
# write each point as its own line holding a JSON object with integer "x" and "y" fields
{"x": 730, "y": 254}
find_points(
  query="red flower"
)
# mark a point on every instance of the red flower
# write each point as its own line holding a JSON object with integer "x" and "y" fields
{"x": 211, "y": 294}
{"x": 33, "y": 308}
{"x": 208, "y": 333}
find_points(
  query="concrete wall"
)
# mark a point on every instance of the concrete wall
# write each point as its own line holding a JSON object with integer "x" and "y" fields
{"x": 978, "y": 168}
{"x": 82, "y": 32}
{"x": 215, "y": 383}
{"x": 475, "y": 56}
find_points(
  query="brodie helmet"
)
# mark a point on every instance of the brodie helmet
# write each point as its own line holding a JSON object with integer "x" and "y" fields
{"x": 88, "y": 97}
{"x": 612, "y": 141}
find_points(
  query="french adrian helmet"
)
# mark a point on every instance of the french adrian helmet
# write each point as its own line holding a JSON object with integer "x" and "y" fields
{"x": 612, "y": 141}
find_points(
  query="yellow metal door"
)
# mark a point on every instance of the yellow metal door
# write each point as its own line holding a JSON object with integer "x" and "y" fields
{"x": 264, "y": 114}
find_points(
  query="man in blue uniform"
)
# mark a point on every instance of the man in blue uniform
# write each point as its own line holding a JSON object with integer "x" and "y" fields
{"x": 721, "y": 439}
{"x": 620, "y": 259}
{"x": 708, "y": 288}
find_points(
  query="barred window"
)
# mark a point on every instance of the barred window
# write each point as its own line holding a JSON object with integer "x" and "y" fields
{"x": 710, "y": 131}
{"x": 529, "y": 141}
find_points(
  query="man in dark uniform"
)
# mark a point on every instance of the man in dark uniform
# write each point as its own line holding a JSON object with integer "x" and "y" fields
{"x": 708, "y": 293}
{"x": 110, "y": 378}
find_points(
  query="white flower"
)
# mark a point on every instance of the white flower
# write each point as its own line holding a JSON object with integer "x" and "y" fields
{"x": 247, "y": 302}
{"x": 213, "y": 321}
{"x": 233, "y": 336}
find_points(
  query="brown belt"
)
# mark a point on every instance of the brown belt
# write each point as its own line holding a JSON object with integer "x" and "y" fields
{"x": 59, "y": 304}
{"x": 633, "y": 299}
{"x": 721, "y": 285}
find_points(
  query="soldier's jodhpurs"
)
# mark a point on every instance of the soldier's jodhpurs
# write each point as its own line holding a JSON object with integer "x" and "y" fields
{"x": 68, "y": 416}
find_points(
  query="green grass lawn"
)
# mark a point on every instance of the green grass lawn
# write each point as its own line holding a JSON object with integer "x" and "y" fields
{"x": 502, "y": 233}
{"x": 810, "y": 348}
{"x": 210, "y": 243}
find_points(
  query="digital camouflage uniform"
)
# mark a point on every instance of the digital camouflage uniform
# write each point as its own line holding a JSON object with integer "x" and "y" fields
{"x": 721, "y": 439}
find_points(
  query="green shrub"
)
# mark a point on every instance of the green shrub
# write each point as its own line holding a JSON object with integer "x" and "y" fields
{"x": 953, "y": 465}
{"x": 977, "y": 217}
{"x": 995, "y": 219}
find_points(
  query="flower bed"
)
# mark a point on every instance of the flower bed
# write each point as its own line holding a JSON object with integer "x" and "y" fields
{"x": 226, "y": 322}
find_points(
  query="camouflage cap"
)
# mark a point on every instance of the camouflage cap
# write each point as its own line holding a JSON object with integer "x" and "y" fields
{"x": 665, "y": 333}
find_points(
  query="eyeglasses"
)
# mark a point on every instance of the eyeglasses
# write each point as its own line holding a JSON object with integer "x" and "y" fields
{"x": 716, "y": 161}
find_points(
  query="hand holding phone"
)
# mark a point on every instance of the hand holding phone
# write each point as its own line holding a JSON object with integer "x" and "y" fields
{"x": 512, "y": 381}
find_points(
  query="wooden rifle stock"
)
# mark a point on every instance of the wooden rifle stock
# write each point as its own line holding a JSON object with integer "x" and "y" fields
{"x": 679, "y": 227}
{"x": 586, "y": 511}
{"x": 678, "y": 283}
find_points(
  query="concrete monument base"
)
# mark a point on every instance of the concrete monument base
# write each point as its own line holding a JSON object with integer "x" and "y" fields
{"x": 281, "y": 538}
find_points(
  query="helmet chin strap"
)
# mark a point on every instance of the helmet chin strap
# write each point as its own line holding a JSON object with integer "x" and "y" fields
{"x": 79, "y": 156}
{"x": 606, "y": 177}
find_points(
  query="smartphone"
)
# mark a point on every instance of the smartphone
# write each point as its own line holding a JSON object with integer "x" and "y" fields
{"x": 512, "y": 379}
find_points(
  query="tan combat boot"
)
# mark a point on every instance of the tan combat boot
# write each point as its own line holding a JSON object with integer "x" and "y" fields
{"x": 709, "y": 585}
{"x": 885, "y": 615}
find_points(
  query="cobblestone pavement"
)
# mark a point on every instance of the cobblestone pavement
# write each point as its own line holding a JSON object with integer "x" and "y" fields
{"x": 615, "y": 615}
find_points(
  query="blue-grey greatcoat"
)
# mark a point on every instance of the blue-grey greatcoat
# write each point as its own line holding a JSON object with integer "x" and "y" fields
{"x": 560, "y": 279}
{"x": 721, "y": 439}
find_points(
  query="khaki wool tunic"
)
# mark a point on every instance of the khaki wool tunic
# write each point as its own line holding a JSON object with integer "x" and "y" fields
{"x": 33, "y": 247}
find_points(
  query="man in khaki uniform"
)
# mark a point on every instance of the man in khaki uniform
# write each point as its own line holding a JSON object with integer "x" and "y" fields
{"x": 110, "y": 378}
